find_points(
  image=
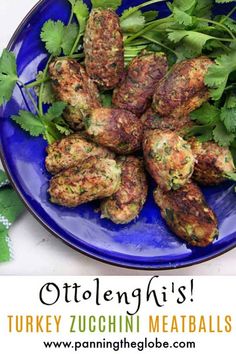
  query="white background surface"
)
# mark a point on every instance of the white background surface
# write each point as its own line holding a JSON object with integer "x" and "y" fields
{"x": 36, "y": 252}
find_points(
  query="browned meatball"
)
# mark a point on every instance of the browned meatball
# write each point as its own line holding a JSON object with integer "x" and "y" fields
{"x": 119, "y": 130}
{"x": 94, "y": 179}
{"x": 72, "y": 151}
{"x": 126, "y": 204}
{"x": 188, "y": 215}
{"x": 136, "y": 91}
{"x": 152, "y": 120}
{"x": 183, "y": 89}
{"x": 103, "y": 48}
{"x": 213, "y": 162}
{"x": 168, "y": 158}
{"x": 72, "y": 85}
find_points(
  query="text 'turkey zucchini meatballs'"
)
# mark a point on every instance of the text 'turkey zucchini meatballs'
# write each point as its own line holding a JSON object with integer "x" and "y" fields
{"x": 72, "y": 151}
{"x": 73, "y": 86}
{"x": 95, "y": 178}
{"x": 183, "y": 89}
{"x": 213, "y": 162}
{"x": 188, "y": 215}
{"x": 136, "y": 91}
{"x": 117, "y": 129}
{"x": 103, "y": 48}
{"x": 126, "y": 204}
{"x": 169, "y": 158}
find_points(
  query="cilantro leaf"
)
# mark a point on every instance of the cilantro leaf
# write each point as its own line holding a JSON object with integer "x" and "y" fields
{"x": 203, "y": 8}
{"x": 184, "y": 5}
{"x": 69, "y": 36}
{"x": 222, "y": 136}
{"x": 218, "y": 74}
{"x": 228, "y": 113}
{"x": 203, "y": 132}
{"x": 150, "y": 15}
{"x": 182, "y": 17}
{"x": 104, "y": 4}
{"x": 134, "y": 23}
{"x": 81, "y": 12}
{"x": 64, "y": 130}
{"x": 48, "y": 95}
{"x": 195, "y": 40}
{"x": 228, "y": 117}
{"x": 58, "y": 37}
{"x": 206, "y": 114}
{"x": 228, "y": 22}
{"x": 49, "y": 125}
{"x": 30, "y": 123}
{"x": 52, "y": 35}
{"x": 55, "y": 111}
{"x": 8, "y": 75}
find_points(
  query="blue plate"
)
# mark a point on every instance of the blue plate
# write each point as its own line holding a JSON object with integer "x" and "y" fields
{"x": 145, "y": 243}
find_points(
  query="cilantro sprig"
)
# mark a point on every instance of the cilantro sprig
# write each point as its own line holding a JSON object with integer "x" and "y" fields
{"x": 190, "y": 30}
{"x": 8, "y": 75}
{"x": 216, "y": 121}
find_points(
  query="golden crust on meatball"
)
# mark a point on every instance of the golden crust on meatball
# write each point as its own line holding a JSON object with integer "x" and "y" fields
{"x": 136, "y": 91}
{"x": 168, "y": 158}
{"x": 103, "y": 48}
{"x": 73, "y": 86}
{"x": 126, "y": 204}
{"x": 183, "y": 89}
{"x": 117, "y": 129}
{"x": 94, "y": 179}
{"x": 187, "y": 214}
{"x": 72, "y": 151}
{"x": 213, "y": 162}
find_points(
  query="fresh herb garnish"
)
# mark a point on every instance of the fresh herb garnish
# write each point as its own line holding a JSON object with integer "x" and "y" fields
{"x": 8, "y": 75}
{"x": 190, "y": 30}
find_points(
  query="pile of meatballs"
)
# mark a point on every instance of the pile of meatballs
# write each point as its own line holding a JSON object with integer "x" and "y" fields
{"x": 111, "y": 150}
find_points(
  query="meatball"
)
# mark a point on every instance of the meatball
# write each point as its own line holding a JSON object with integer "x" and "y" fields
{"x": 95, "y": 178}
{"x": 136, "y": 91}
{"x": 72, "y": 151}
{"x": 72, "y": 85}
{"x": 151, "y": 120}
{"x": 169, "y": 159}
{"x": 213, "y": 162}
{"x": 182, "y": 90}
{"x": 126, "y": 204}
{"x": 103, "y": 48}
{"x": 117, "y": 129}
{"x": 188, "y": 215}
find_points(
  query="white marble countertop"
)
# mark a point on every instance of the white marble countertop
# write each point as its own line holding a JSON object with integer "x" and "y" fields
{"x": 36, "y": 252}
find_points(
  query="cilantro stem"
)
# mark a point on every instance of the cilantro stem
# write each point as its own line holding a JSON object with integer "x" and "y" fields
{"x": 230, "y": 87}
{"x": 218, "y": 24}
{"x": 224, "y": 39}
{"x": 76, "y": 43}
{"x": 74, "y": 56}
{"x": 148, "y": 28}
{"x": 30, "y": 96}
{"x": 71, "y": 15}
{"x": 136, "y": 8}
{"x": 161, "y": 44}
{"x": 228, "y": 16}
{"x": 36, "y": 83}
{"x": 45, "y": 72}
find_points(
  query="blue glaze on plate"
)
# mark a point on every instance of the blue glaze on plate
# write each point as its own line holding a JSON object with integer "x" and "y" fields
{"x": 145, "y": 243}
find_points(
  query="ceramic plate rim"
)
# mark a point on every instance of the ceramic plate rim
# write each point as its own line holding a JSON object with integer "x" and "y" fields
{"x": 179, "y": 264}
